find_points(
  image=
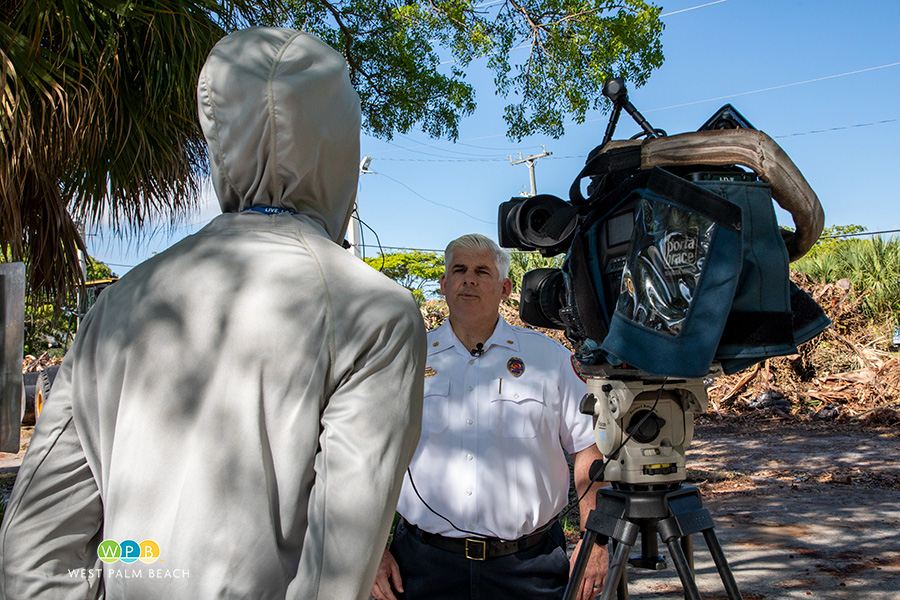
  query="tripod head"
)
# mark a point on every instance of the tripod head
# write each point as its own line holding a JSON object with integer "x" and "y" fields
{"x": 643, "y": 427}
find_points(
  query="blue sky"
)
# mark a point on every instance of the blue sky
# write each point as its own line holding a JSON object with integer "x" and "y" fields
{"x": 822, "y": 77}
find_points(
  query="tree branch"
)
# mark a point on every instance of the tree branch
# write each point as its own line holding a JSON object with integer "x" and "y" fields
{"x": 348, "y": 37}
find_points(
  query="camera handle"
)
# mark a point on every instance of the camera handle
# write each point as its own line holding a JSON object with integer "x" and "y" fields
{"x": 615, "y": 90}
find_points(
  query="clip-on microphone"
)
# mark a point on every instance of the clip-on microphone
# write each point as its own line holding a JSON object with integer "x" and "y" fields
{"x": 478, "y": 350}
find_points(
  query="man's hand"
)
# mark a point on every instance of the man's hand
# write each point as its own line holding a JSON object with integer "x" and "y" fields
{"x": 598, "y": 565}
{"x": 388, "y": 573}
{"x": 594, "y": 573}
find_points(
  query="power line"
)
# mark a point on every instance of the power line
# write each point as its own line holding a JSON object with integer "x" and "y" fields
{"x": 677, "y": 12}
{"x": 830, "y": 129}
{"x": 398, "y": 182}
{"x": 568, "y": 157}
{"x": 406, "y": 248}
{"x": 692, "y": 103}
{"x": 859, "y": 234}
{"x": 449, "y": 160}
{"x": 777, "y": 87}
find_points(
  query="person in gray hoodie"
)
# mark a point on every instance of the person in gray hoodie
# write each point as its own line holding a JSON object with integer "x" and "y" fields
{"x": 236, "y": 414}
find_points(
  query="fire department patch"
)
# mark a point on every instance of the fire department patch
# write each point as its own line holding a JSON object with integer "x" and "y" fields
{"x": 576, "y": 367}
{"x": 515, "y": 366}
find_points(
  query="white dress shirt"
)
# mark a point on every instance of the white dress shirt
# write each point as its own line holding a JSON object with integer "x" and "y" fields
{"x": 495, "y": 429}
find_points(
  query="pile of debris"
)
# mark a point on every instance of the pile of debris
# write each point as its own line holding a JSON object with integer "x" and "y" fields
{"x": 32, "y": 364}
{"x": 849, "y": 373}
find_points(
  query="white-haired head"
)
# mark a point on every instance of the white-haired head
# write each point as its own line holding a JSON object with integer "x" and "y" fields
{"x": 476, "y": 241}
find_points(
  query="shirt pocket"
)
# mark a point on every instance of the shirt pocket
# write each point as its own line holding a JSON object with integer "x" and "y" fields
{"x": 436, "y": 404}
{"x": 518, "y": 409}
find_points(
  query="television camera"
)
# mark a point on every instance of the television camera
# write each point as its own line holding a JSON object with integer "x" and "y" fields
{"x": 675, "y": 272}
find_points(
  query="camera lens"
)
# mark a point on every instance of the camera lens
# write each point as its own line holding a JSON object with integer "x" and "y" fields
{"x": 543, "y": 295}
{"x": 543, "y": 221}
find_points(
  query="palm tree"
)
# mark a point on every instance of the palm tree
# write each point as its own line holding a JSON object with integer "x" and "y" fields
{"x": 98, "y": 108}
{"x": 98, "y": 119}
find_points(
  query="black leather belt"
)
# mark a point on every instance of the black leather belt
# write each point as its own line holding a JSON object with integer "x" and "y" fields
{"x": 477, "y": 548}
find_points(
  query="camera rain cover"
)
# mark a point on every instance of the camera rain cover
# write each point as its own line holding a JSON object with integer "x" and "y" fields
{"x": 678, "y": 279}
{"x": 660, "y": 276}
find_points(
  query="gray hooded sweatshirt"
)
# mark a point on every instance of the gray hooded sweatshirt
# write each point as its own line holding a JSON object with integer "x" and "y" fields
{"x": 236, "y": 414}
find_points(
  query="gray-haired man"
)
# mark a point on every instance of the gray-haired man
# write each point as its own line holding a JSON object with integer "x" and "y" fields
{"x": 489, "y": 476}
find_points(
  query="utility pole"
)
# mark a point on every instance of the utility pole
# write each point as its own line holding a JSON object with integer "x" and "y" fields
{"x": 530, "y": 162}
{"x": 80, "y": 299}
{"x": 353, "y": 235}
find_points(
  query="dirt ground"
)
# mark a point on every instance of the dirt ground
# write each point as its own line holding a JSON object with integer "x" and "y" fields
{"x": 802, "y": 510}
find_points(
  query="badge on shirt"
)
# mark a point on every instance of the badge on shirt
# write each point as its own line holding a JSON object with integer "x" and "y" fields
{"x": 515, "y": 366}
{"x": 576, "y": 366}
{"x": 429, "y": 372}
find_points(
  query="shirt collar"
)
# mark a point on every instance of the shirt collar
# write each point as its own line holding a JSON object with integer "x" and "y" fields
{"x": 504, "y": 336}
{"x": 443, "y": 338}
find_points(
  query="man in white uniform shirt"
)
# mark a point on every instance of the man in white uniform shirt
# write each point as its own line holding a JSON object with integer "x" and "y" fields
{"x": 480, "y": 502}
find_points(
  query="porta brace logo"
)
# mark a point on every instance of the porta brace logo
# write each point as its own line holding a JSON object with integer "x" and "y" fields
{"x": 129, "y": 551}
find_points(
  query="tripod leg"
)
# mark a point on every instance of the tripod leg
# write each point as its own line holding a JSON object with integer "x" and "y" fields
{"x": 616, "y": 572}
{"x": 687, "y": 544}
{"x": 650, "y": 557}
{"x": 684, "y": 570}
{"x": 715, "y": 549}
{"x": 577, "y": 574}
{"x": 622, "y": 589}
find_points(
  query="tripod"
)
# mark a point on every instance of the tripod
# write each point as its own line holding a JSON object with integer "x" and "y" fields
{"x": 675, "y": 512}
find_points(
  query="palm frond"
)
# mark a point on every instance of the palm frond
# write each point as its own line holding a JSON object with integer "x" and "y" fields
{"x": 98, "y": 120}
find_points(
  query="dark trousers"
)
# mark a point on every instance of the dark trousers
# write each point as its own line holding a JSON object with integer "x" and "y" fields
{"x": 538, "y": 573}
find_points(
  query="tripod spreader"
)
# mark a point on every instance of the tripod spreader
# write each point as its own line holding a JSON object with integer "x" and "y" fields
{"x": 674, "y": 513}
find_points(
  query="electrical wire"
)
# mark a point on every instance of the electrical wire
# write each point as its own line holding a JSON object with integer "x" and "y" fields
{"x": 377, "y": 240}
{"x": 580, "y": 157}
{"x": 776, "y": 87}
{"x": 436, "y": 513}
{"x": 400, "y": 183}
{"x": 830, "y": 129}
{"x": 859, "y": 234}
{"x": 597, "y": 476}
{"x": 683, "y": 10}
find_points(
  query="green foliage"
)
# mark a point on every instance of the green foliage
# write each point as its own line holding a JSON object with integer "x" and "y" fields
{"x": 832, "y": 236}
{"x": 98, "y": 112}
{"x": 522, "y": 262}
{"x": 549, "y": 57}
{"x": 97, "y": 270}
{"x": 417, "y": 271}
{"x": 98, "y": 117}
{"x": 871, "y": 265}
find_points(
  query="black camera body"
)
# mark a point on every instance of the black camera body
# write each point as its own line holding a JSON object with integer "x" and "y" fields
{"x": 675, "y": 271}
{"x": 543, "y": 222}
{"x": 547, "y": 223}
